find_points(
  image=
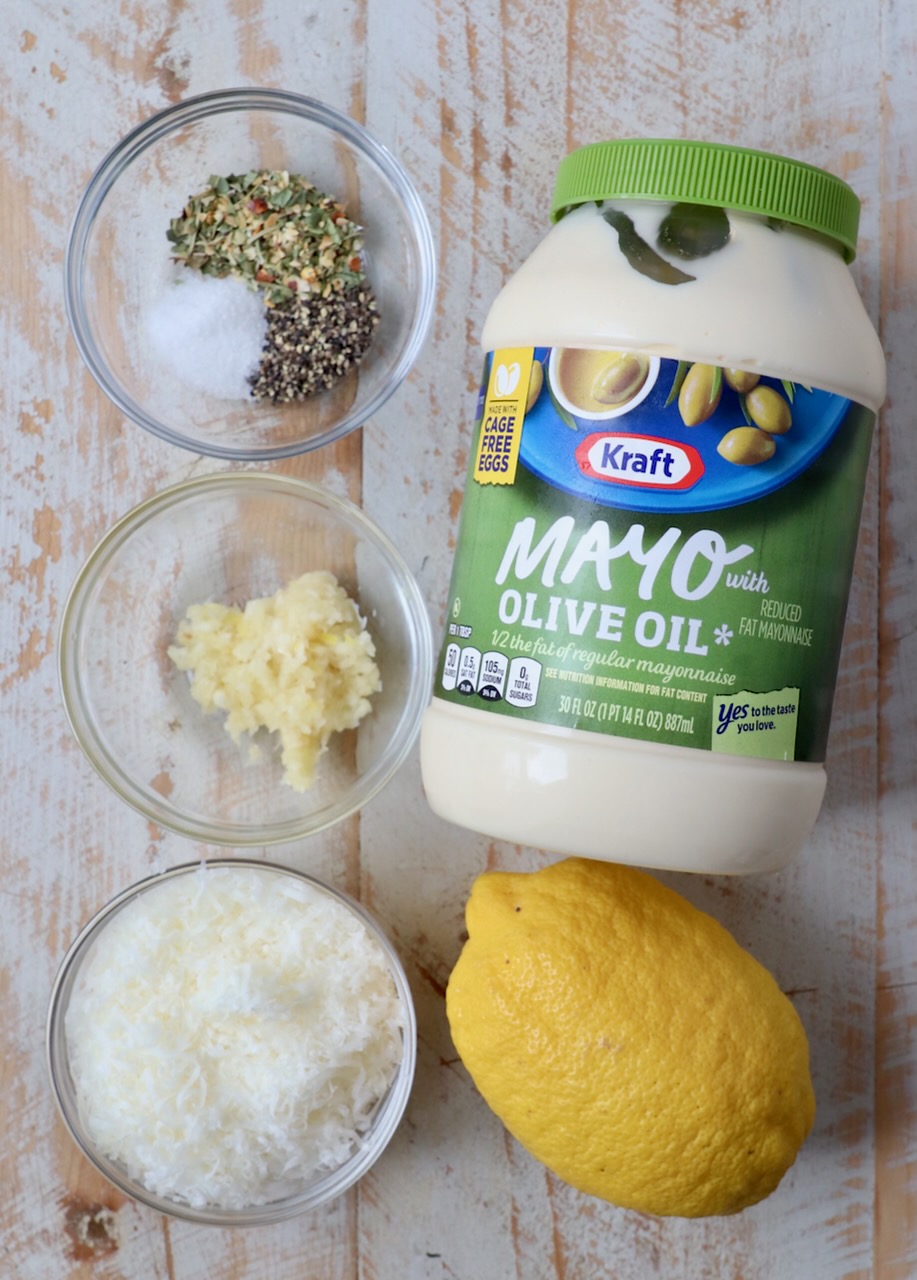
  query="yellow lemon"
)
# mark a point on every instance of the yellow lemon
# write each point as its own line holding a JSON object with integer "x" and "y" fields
{"x": 628, "y": 1041}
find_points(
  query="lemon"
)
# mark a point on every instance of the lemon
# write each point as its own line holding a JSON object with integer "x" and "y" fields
{"x": 628, "y": 1041}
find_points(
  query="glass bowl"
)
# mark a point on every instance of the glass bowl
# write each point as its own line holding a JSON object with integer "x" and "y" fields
{"x": 231, "y": 538}
{"x": 324, "y": 1185}
{"x": 118, "y": 266}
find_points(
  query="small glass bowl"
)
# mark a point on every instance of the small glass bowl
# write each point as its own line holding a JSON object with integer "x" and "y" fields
{"x": 324, "y": 1186}
{"x": 118, "y": 265}
{"x": 231, "y": 538}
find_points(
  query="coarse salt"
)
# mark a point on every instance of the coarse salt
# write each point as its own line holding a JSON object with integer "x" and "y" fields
{"x": 230, "y": 1034}
{"x": 210, "y": 332}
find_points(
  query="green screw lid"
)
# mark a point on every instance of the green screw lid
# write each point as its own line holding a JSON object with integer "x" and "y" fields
{"x": 713, "y": 174}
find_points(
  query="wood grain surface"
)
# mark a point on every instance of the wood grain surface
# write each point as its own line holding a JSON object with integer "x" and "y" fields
{"x": 480, "y": 100}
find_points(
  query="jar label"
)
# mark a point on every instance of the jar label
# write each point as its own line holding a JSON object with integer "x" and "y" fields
{"x": 656, "y": 550}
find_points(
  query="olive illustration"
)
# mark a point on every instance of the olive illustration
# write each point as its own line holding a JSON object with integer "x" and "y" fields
{"x": 741, "y": 380}
{"x": 620, "y": 381}
{"x": 536, "y": 382}
{"x": 639, "y": 254}
{"x": 768, "y": 410}
{"x": 700, "y": 393}
{"x": 693, "y": 230}
{"x": 746, "y": 446}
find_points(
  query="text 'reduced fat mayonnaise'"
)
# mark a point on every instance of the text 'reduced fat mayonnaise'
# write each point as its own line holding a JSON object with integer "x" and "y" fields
{"x": 660, "y": 521}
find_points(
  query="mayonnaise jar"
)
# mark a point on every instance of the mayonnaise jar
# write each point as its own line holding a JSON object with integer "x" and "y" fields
{"x": 660, "y": 520}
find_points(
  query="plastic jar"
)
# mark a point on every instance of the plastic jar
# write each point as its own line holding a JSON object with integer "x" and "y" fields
{"x": 660, "y": 520}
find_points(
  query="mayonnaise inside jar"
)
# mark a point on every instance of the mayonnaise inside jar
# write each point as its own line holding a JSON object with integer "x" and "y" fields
{"x": 660, "y": 521}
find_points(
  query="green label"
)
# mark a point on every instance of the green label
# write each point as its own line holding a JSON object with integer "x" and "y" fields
{"x": 666, "y": 557}
{"x": 756, "y": 724}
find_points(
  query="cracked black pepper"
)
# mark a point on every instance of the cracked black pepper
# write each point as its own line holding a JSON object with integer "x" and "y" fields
{"x": 314, "y": 342}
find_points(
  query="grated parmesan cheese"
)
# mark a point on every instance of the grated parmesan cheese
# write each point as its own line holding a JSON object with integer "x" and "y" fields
{"x": 299, "y": 663}
{"x": 230, "y": 1034}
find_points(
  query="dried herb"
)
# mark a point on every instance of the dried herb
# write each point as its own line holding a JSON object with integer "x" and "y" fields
{"x": 693, "y": 231}
{"x": 314, "y": 342}
{"x": 639, "y": 254}
{"x": 273, "y": 229}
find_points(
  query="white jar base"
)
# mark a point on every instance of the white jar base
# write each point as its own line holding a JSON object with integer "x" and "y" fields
{"x": 617, "y": 799}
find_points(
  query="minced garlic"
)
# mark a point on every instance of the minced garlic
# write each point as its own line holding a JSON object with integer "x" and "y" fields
{"x": 299, "y": 663}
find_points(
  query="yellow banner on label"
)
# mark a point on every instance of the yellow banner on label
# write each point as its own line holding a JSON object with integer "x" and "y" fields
{"x": 504, "y": 413}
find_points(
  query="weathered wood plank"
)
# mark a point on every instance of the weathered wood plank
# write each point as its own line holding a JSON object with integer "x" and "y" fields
{"x": 73, "y": 465}
{"x": 896, "y": 1029}
{"x": 480, "y": 103}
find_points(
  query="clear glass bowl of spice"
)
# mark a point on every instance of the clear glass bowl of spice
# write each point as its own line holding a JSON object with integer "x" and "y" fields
{"x": 232, "y": 1042}
{"x": 245, "y": 658}
{"x": 250, "y": 274}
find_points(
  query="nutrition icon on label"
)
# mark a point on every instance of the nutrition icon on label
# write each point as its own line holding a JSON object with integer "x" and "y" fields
{"x": 492, "y": 676}
{"x": 522, "y": 682}
{"x": 462, "y": 668}
{"x": 451, "y": 666}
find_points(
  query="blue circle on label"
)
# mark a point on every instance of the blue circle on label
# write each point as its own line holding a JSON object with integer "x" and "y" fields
{"x": 648, "y": 460}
